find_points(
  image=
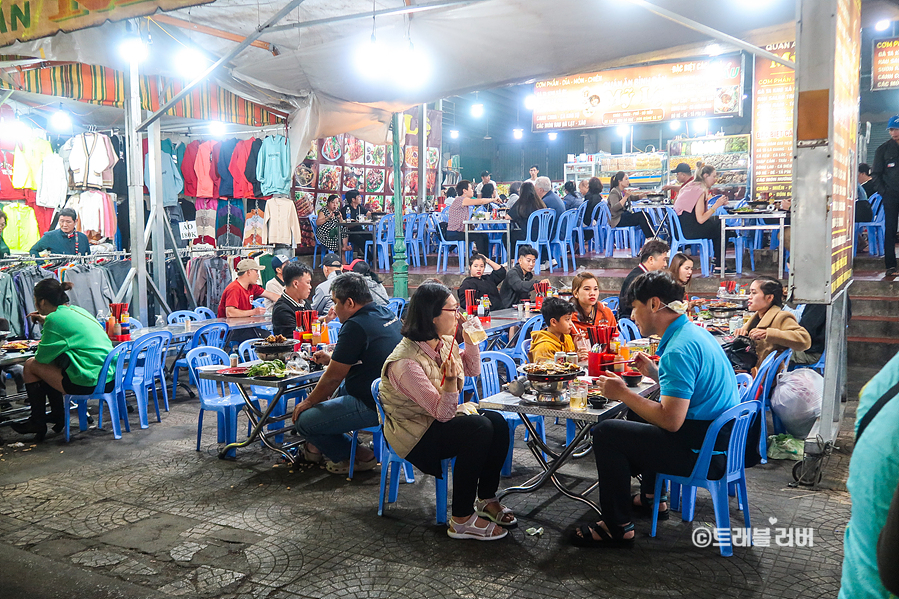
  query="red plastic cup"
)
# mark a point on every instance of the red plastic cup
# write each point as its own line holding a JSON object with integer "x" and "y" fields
{"x": 594, "y": 363}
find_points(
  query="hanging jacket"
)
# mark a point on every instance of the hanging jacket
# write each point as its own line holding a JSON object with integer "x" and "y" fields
{"x": 188, "y": 168}
{"x": 202, "y": 166}
{"x": 21, "y": 230}
{"x": 120, "y": 170}
{"x": 238, "y": 166}
{"x": 281, "y": 223}
{"x": 226, "y": 187}
{"x": 214, "y": 169}
{"x": 51, "y": 182}
{"x": 28, "y": 160}
{"x": 89, "y": 160}
{"x": 172, "y": 182}
{"x": 250, "y": 170}
{"x": 7, "y": 167}
{"x": 273, "y": 165}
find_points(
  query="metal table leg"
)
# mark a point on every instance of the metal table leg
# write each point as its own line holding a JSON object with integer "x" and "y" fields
{"x": 260, "y": 420}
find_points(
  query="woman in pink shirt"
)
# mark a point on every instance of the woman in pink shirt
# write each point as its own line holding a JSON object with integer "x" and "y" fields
{"x": 697, "y": 218}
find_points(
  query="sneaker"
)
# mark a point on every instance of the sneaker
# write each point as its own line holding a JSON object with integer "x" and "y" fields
{"x": 545, "y": 265}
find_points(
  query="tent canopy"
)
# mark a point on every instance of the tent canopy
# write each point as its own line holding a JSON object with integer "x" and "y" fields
{"x": 475, "y": 45}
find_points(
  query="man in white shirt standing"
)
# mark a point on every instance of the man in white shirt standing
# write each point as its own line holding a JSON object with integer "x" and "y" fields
{"x": 485, "y": 179}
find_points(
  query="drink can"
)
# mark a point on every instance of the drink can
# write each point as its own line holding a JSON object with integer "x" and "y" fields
{"x": 560, "y": 357}
{"x": 520, "y": 308}
{"x": 571, "y": 357}
{"x": 306, "y": 348}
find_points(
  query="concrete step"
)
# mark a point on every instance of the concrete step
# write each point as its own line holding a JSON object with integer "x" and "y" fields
{"x": 874, "y": 327}
{"x": 872, "y": 351}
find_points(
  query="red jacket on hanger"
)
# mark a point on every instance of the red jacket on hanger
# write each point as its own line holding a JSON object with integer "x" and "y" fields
{"x": 213, "y": 168}
{"x": 202, "y": 169}
{"x": 242, "y": 187}
{"x": 187, "y": 169}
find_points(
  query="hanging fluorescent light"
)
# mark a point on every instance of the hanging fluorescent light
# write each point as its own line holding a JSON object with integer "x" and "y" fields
{"x": 20, "y": 131}
{"x": 674, "y": 125}
{"x": 517, "y": 133}
{"x": 477, "y": 110}
{"x": 217, "y": 128}
{"x": 415, "y": 66}
{"x": 530, "y": 101}
{"x": 623, "y": 130}
{"x": 190, "y": 62}
{"x": 714, "y": 49}
{"x": 882, "y": 25}
{"x": 553, "y": 136}
{"x": 454, "y": 134}
{"x": 701, "y": 125}
{"x": 60, "y": 121}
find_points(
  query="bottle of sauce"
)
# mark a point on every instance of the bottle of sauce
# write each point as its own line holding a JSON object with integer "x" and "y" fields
{"x": 316, "y": 333}
{"x": 324, "y": 334}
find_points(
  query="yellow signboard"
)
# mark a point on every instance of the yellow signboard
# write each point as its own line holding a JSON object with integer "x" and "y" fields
{"x": 25, "y": 20}
{"x": 772, "y": 125}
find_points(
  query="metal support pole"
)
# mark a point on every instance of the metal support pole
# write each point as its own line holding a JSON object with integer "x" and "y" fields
{"x": 135, "y": 193}
{"x": 400, "y": 268}
{"x": 422, "y": 154}
{"x": 155, "y": 227}
{"x": 438, "y": 176}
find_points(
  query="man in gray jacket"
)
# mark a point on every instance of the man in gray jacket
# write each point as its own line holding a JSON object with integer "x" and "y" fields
{"x": 321, "y": 300}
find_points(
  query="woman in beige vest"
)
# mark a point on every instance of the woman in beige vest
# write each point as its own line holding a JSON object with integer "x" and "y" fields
{"x": 420, "y": 385}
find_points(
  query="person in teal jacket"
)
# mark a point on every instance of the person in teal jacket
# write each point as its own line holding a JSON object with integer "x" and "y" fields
{"x": 4, "y": 249}
{"x": 68, "y": 360}
{"x": 273, "y": 165}
{"x": 64, "y": 240}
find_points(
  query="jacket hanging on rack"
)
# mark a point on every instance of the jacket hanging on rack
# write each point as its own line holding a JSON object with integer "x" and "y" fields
{"x": 172, "y": 182}
{"x": 280, "y": 223}
{"x": 202, "y": 165}
{"x": 52, "y": 182}
{"x": 238, "y": 166}
{"x": 226, "y": 187}
{"x": 28, "y": 162}
{"x": 250, "y": 170}
{"x": 273, "y": 165}
{"x": 7, "y": 168}
{"x": 254, "y": 230}
{"x": 21, "y": 230}
{"x": 229, "y": 223}
{"x": 205, "y": 220}
{"x": 188, "y": 165}
{"x": 91, "y": 161}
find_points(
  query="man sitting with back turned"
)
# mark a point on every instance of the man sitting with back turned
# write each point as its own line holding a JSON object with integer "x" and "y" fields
{"x": 368, "y": 335}
{"x": 297, "y": 284}
{"x": 653, "y": 256}
{"x": 697, "y": 384}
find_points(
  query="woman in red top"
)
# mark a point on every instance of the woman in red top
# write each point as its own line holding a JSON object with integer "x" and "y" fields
{"x": 585, "y": 297}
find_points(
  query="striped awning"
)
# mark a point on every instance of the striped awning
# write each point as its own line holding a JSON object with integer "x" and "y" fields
{"x": 106, "y": 87}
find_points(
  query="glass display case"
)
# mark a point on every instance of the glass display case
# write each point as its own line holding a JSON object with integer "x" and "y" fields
{"x": 576, "y": 171}
{"x": 729, "y": 154}
{"x": 646, "y": 170}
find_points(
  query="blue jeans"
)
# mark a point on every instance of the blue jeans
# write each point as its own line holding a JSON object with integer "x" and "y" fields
{"x": 326, "y": 424}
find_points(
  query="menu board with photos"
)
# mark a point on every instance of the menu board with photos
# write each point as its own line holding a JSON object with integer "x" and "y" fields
{"x": 772, "y": 125}
{"x": 843, "y": 139}
{"x": 342, "y": 163}
{"x": 885, "y": 64}
{"x": 704, "y": 87}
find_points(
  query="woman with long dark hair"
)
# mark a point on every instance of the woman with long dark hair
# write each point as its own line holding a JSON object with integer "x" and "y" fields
{"x": 68, "y": 359}
{"x": 697, "y": 218}
{"x": 771, "y": 328}
{"x": 585, "y": 297}
{"x": 528, "y": 203}
{"x": 424, "y": 423}
{"x": 620, "y": 206}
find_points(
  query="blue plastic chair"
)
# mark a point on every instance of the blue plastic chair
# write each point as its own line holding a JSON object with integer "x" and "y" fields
{"x": 205, "y": 313}
{"x": 384, "y": 234}
{"x": 114, "y": 400}
{"x": 744, "y": 382}
{"x": 490, "y": 385}
{"x": 160, "y": 368}
{"x": 602, "y": 232}
{"x": 214, "y": 396}
{"x": 741, "y": 415}
{"x": 612, "y": 303}
{"x": 678, "y": 241}
{"x": 422, "y": 235}
{"x": 143, "y": 364}
{"x": 628, "y": 329}
{"x": 817, "y": 366}
{"x": 518, "y": 352}
{"x": 397, "y": 305}
{"x": 391, "y": 462}
{"x": 318, "y": 246}
{"x": 445, "y": 246}
{"x": 628, "y": 238}
{"x": 875, "y": 228}
{"x": 579, "y": 227}
{"x": 212, "y": 335}
{"x": 413, "y": 255}
{"x": 544, "y": 219}
{"x": 134, "y": 323}
{"x": 563, "y": 242}
{"x": 182, "y": 315}
{"x": 334, "y": 330}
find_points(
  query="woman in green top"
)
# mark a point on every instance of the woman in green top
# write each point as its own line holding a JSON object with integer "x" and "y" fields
{"x": 4, "y": 249}
{"x": 68, "y": 359}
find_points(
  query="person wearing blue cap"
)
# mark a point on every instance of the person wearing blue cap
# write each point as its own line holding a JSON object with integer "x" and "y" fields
{"x": 885, "y": 170}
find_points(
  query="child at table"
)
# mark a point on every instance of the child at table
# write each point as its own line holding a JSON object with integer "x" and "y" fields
{"x": 559, "y": 334}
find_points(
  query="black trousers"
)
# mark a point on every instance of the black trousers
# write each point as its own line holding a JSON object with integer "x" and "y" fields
{"x": 479, "y": 443}
{"x": 891, "y": 221}
{"x": 624, "y": 449}
{"x": 635, "y": 219}
{"x": 710, "y": 229}
{"x": 479, "y": 239}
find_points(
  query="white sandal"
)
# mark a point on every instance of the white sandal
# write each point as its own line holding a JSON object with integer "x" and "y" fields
{"x": 480, "y": 509}
{"x": 470, "y": 530}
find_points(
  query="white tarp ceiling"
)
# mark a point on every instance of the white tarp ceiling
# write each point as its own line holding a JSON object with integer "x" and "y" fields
{"x": 476, "y": 46}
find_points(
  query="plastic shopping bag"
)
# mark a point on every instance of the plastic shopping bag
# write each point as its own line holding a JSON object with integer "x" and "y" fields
{"x": 796, "y": 400}
{"x": 785, "y": 447}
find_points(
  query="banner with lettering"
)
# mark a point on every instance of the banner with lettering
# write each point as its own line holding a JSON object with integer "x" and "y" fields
{"x": 26, "y": 20}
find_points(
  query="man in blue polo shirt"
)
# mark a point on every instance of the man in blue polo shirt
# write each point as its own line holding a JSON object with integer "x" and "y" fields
{"x": 697, "y": 384}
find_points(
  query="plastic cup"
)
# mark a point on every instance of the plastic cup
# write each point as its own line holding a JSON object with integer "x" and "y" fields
{"x": 475, "y": 330}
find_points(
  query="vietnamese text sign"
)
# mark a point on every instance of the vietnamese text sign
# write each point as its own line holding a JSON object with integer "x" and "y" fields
{"x": 644, "y": 94}
{"x": 845, "y": 126}
{"x": 24, "y": 20}
{"x": 772, "y": 125}
{"x": 885, "y": 64}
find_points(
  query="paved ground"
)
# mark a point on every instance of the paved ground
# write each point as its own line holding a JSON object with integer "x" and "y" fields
{"x": 150, "y": 516}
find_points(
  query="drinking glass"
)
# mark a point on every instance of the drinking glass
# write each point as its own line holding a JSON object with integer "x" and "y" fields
{"x": 475, "y": 330}
{"x": 577, "y": 395}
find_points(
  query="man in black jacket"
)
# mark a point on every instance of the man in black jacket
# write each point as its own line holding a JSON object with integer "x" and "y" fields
{"x": 520, "y": 280}
{"x": 886, "y": 175}
{"x": 295, "y": 297}
{"x": 653, "y": 256}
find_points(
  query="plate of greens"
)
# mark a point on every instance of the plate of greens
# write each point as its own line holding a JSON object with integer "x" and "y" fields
{"x": 268, "y": 370}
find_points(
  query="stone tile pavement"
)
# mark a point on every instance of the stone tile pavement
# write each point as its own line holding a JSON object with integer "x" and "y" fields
{"x": 149, "y": 515}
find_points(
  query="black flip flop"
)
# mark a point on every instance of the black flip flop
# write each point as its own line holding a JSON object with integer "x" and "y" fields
{"x": 585, "y": 539}
{"x": 645, "y": 507}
